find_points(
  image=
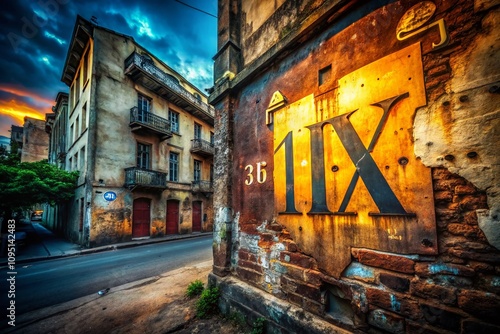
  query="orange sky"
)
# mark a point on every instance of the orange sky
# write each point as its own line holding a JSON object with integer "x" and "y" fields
{"x": 14, "y": 110}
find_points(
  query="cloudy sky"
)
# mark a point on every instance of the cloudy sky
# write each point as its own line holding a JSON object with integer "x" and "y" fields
{"x": 34, "y": 39}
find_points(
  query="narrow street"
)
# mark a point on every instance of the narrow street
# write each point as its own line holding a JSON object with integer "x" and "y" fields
{"x": 46, "y": 283}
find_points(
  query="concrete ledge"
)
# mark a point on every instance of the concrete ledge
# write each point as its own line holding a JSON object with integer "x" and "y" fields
{"x": 281, "y": 316}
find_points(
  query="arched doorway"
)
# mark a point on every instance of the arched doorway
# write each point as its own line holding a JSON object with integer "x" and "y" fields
{"x": 172, "y": 217}
{"x": 196, "y": 216}
{"x": 141, "y": 219}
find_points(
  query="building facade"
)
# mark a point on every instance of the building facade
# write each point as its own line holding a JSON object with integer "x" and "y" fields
{"x": 141, "y": 137}
{"x": 35, "y": 140}
{"x": 357, "y": 176}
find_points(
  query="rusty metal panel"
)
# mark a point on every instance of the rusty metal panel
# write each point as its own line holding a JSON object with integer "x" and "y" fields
{"x": 345, "y": 174}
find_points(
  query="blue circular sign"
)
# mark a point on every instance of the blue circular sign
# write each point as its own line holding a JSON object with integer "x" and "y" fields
{"x": 109, "y": 196}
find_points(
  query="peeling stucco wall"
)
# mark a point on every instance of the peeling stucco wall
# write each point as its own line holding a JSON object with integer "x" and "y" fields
{"x": 459, "y": 130}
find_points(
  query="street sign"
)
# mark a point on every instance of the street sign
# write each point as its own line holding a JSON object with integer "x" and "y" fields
{"x": 109, "y": 196}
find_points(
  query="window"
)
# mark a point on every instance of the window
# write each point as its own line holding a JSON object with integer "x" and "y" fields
{"x": 174, "y": 121}
{"x": 211, "y": 138}
{"x": 71, "y": 129}
{"x": 82, "y": 158}
{"x": 143, "y": 155}
{"x": 84, "y": 117}
{"x": 211, "y": 173}
{"x": 173, "y": 167}
{"x": 143, "y": 107}
{"x": 77, "y": 88}
{"x": 197, "y": 170}
{"x": 70, "y": 164}
{"x": 77, "y": 127}
{"x": 324, "y": 74}
{"x": 75, "y": 162}
{"x": 197, "y": 131}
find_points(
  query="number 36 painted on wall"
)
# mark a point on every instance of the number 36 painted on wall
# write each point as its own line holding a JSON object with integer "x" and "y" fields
{"x": 261, "y": 173}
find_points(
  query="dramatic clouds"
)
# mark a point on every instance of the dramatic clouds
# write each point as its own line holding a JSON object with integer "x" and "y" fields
{"x": 34, "y": 37}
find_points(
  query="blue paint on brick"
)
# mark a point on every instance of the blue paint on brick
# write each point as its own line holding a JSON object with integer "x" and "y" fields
{"x": 395, "y": 305}
{"x": 360, "y": 271}
{"x": 442, "y": 268}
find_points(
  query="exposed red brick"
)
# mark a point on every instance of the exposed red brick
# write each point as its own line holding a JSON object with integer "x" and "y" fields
{"x": 386, "y": 261}
{"x": 295, "y": 298}
{"x": 470, "y": 218}
{"x": 294, "y": 271}
{"x": 470, "y": 202}
{"x": 250, "y": 265}
{"x": 428, "y": 288}
{"x": 297, "y": 259}
{"x": 462, "y": 229}
{"x": 392, "y": 302}
{"x": 314, "y": 307}
{"x": 290, "y": 245}
{"x": 482, "y": 267}
{"x": 437, "y": 80}
{"x": 266, "y": 240}
{"x": 249, "y": 275}
{"x": 467, "y": 189}
{"x": 313, "y": 277}
{"x": 308, "y": 291}
{"x": 435, "y": 268}
{"x": 275, "y": 227}
{"x": 438, "y": 70}
{"x": 483, "y": 305}
{"x": 443, "y": 196}
{"x": 246, "y": 255}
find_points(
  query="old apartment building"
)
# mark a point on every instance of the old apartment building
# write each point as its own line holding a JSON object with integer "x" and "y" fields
{"x": 35, "y": 140}
{"x": 359, "y": 186}
{"x": 141, "y": 137}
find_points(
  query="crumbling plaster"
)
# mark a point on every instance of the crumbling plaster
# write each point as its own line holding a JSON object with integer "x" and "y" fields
{"x": 465, "y": 121}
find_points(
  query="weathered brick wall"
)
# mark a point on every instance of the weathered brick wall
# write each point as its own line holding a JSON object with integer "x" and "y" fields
{"x": 456, "y": 290}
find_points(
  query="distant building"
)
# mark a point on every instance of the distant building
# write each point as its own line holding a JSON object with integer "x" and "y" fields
{"x": 16, "y": 137}
{"x": 56, "y": 125}
{"x": 141, "y": 137}
{"x": 35, "y": 145}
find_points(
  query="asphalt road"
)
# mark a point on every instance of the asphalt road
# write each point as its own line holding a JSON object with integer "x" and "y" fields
{"x": 50, "y": 282}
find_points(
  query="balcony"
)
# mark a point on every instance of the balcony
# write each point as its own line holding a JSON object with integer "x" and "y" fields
{"x": 146, "y": 122}
{"x": 141, "y": 69}
{"x": 202, "y": 147}
{"x": 202, "y": 187}
{"x": 145, "y": 179}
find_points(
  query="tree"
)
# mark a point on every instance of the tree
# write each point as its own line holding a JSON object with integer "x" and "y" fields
{"x": 24, "y": 184}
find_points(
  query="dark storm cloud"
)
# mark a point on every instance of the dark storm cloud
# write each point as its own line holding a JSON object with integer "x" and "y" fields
{"x": 35, "y": 36}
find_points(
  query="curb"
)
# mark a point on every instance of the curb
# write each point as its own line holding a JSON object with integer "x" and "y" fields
{"x": 128, "y": 244}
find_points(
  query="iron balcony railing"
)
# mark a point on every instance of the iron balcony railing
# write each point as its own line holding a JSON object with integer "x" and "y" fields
{"x": 202, "y": 186}
{"x": 135, "y": 176}
{"x": 147, "y": 65}
{"x": 150, "y": 120}
{"x": 202, "y": 146}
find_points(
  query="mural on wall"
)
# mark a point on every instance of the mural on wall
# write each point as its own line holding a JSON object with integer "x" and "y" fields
{"x": 345, "y": 174}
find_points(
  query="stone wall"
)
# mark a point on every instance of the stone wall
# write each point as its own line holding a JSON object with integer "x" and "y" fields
{"x": 274, "y": 263}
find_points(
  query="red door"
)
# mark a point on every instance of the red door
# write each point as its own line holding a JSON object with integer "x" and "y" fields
{"x": 196, "y": 216}
{"x": 172, "y": 217}
{"x": 141, "y": 218}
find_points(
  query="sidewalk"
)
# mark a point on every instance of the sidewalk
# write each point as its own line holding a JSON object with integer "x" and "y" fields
{"x": 42, "y": 244}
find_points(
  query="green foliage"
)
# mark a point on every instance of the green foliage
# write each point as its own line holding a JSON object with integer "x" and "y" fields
{"x": 237, "y": 319}
{"x": 208, "y": 303}
{"x": 259, "y": 326}
{"x": 24, "y": 184}
{"x": 194, "y": 288}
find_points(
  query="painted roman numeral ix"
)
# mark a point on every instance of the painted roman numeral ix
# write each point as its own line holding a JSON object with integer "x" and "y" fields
{"x": 366, "y": 167}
